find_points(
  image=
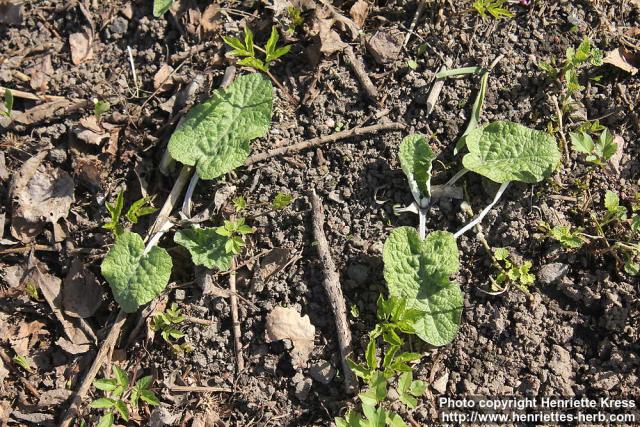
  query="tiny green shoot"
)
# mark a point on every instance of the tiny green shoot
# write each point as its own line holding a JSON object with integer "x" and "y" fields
{"x": 281, "y": 201}
{"x": 100, "y": 107}
{"x": 8, "y": 103}
{"x": 246, "y": 49}
{"x": 518, "y": 274}
{"x": 137, "y": 209}
{"x": 234, "y": 231}
{"x": 166, "y": 323}
{"x": 599, "y": 151}
{"x": 494, "y": 8}
{"x": 24, "y": 362}
{"x": 239, "y": 203}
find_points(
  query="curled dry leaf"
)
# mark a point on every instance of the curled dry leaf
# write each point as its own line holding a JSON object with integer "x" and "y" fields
{"x": 80, "y": 44}
{"x": 359, "y": 12}
{"x": 39, "y": 194}
{"x": 286, "y": 323}
{"x": 162, "y": 81}
{"x": 40, "y": 74}
{"x": 81, "y": 292}
{"x": 211, "y": 19}
{"x": 273, "y": 262}
{"x": 624, "y": 60}
{"x": 90, "y": 131}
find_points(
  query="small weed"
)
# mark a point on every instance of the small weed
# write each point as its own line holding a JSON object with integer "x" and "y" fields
{"x": 247, "y": 50}
{"x": 295, "y": 18}
{"x": 599, "y": 151}
{"x": 31, "y": 289}
{"x": 8, "y": 103}
{"x": 518, "y": 274}
{"x": 100, "y": 108}
{"x": 239, "y": 203}
{"x": 281, "y": 201}
{"x": 24, "y": 362}
{"x": 494, "y": 8}
{"x": 234, "y": 230}
{"x": 567, "y": 237}
{"x": 120, "y": 396}
{"x": 166, "y": 323}
{"x": 137, "y": 209}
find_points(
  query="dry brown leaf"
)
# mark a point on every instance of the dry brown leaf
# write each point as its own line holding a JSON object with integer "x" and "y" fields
{"x": 211, "y": 19}
{"x": 76, "y": 331}
{"x": 127, "y": 11}
{"x": 286, "y": 323}
{"x": 4, "y": 172}
{"x": 42, "y": 112}
{"x": 40, "y": 74}
{"x": 39, "y": 194}
{"x": 81, "y": 292}
{"x": 53, "y": 397}
{"x": 359, "y": 12}
{"x": 273, "y": 262}
{"x": 162, "y": 81}
{"x": 26, "y": 334}
{"x": 81, "y": 49}
{"x": 622, "y": 59}
{"x": 614, "y": 161}
{"x": 11, "y": 12}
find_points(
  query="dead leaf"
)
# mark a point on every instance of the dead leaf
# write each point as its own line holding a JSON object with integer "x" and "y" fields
{"x": 25, "y": 335}
{"x": 53, "y": 397}
{"x": 81, "y": 292}
{"x": 623, "y": 59}
{"x": 614, "y": 161}
{"x": 359, "y": 12}
{"x": 4, "y": 372}
{"x": 4, "y": 172}
{"x": 40, "y": 74}
{"x": 81, "y": 46}
{"x": 273, "y": 262}
{"x": 211, "y": 18}
{"x": 286, "y": 323}
{"x": 90, "y": 131}
{"x": 162, "y": 80}
{"x": 75, "y": 329}
{"x": 11, "y": 12}
{"x": 208, "y": 419}
{"x": 39, "y": 194}
{"x": 127, "y": 11}
{"x": 42, "y": 112}
{"x": 385, "y": 46}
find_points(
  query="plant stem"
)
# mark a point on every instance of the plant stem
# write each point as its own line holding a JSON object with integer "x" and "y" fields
{"x": 484, "y": 212}
{"x": 237, "y": 344}
{"x": 462, "y": 172}
{"x": 186, "y": 204}
{"x": 422, "y": 227}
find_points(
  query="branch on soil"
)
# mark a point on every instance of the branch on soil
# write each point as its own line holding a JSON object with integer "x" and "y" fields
{"x": 359, "y": 131}
{"x": 334, "y": 292}
{"x": 237, "y": 344}
{"x": 358, "y": 68}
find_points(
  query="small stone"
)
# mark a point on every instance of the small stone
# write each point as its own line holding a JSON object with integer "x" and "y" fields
{"x": 358, "y": 273}
{"x": 385, "y": 46}
{"x": 58, "y": 155}
{"x": 119, "y": 25}
{"x": 553, "y": 272}
{"x": 180, "y": 294}
{"x": 303, "y": 388}
{"x": 440, "y": 384}
{"x": 322, "y": 371}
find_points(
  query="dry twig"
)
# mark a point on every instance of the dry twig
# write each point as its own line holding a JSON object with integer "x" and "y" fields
{"x": 358, "y": 68}
{"x": 334, "y": 292}
{"x": 237, "y": 344}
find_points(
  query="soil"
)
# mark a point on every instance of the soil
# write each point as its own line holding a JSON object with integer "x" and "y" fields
{"x": 574, "y": 333}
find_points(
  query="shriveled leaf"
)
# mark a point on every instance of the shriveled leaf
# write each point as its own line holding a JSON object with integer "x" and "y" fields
{"x": 359, "y": 12}
{"x": 206, "y": 247}
{"x": 80, "y": 45}
{"x": 215, "y": 135}
{"x": 286, "y": 323}
{"x": 419, "y": 271}
{"x": 416, "y": 157}
{"x": 135, "y": 278}
{"x": 504, "y": 151}
{"x": 81, "y": 292}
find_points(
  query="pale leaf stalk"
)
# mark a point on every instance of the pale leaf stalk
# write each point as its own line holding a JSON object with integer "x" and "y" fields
{"x": 484, "y": 212}
{"x": 186, "y": 204}
{"x": 422, "y": 227}
{"x": 456, "y": 177}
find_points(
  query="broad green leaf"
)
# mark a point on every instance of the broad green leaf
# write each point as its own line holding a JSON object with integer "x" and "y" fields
{"x": 106, "y": 384}
{"x": 206, "y": 247}
{"x": 418, "y": 270}
{"x": 122, "y": 409}
{"x": 160, "y": 7}
{"x": 611, "y": 201}
{"x": 121, "y": 376}
{"x": 376, "y": 417}
{"x": 351, "y": 419}
{"x": 377, "y": 390}
{"x": 504, "y": 151}
{"x": 582, "y": 142}
{"x": 106, "y": 420}
{"x": 215, "y": 135}
{"x": 395, "y": 420}
{"x": 415, "y": 159}
{"x": 270, "y": 47}
{"x": 256, "y": 63}
{"x": 144, "y": 382}
{"x": 149, "y": 397}
{"x": 404, "y": 385}
{"x": 103, "y": 403}
{"x": 135, "y": 278}
{"x": 370, "y": 355}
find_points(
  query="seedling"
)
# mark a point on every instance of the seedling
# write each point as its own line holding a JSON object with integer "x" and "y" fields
{"x": 234, "y": 231}
{"x": 246, "y": 50}
{"x": 166, "y": 323}
{"x": 100, "y": 108}
{"x": 598, "y": 151}
{"x": 8, "y": 103}
{"x": 566, "y": 236}
{"x": 120, "y": 396}
{"x": 494, "y": 8}
{"x": 295, "y": 19}
{"x": 24, "y": 362}
{"x": 394, "y": 321}
{"x": 239, "y": 203}
{"x": 139, "y": 208}
{"x": 518, "y": 274}
{"x": 281, "y": 201}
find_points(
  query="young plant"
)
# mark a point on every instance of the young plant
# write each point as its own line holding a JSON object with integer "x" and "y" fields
{"x": 394, "y": 321}
{"x": 234, "y": 231}
{"x": 281, "y": 201}
{"x": 139, "y": 208}
{"x": 120, "y": 396}
{"x": 247, "y": 50}
{"x": 8, "y": 103}
{"x": 160, "y": 7}
{"x": 24, "y": 362}
{"x": 511, "y": 272}
{"x": 569, "y": 238}
{"x": 598, "y": 151}
{"x": 494, "y": 8}
{"x": 166, "y": 323}
{"x": 100, "y": 108}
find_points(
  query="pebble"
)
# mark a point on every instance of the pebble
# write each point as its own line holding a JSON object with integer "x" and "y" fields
{"x": 303, "y": 388}
{"x": 440, "y": 384}
{"x": 322, "y": 371}
{"x": 553, "y": 272}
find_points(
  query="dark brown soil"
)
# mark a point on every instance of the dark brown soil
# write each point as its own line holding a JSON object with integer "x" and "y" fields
{"x": 573, "y": 335}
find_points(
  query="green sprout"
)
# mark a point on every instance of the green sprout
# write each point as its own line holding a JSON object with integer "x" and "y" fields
{"x": 281, "y": 201}
{"x": 518, "y": 274}
{"x": 100, "y": 108}
{"x": 137, "y": 209}
{"x": 8, "y": 103}
{"x": 239, "y": 203}
{"x": 247, "y": 50}
{"x": 24, "y": 362}
{"x": 234, "y": 230}
{"x": 166, "y": 323}
{"x": 598, "y": 151}
{"x": 494, "y": 8}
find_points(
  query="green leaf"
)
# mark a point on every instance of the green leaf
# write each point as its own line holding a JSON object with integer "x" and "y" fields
{"x": 504, "y": 151}
{"x": 475, "y": 113}
{"x": 215, "y": 135}
{"x": 370, "y": 355}
{"x": 8, "y": 102}
{"x": 239, "y": 203}
{"x": 256, "y": 63}
{"x": 281, "y": 201}
{"x": 106, "y": 420}
{"x": 100, "y": 107}
{"x": 121, "y": 377}
{"x": 394, "y": 420}
{"x": 606, "y": 145}
{"x": 270, "y": 47}
{"x": 122, "y": 409}
{"x": 416, "y": 158}
{"x": 238, "y": 47}
{"x": 376, "y": 417}
{"x": 115, "y": 209}
{"x": 351, "y": 419}
{"x": 419, "y": 271}
{"x": 135, "y": 278}
{"x": 103, "y": 403}
{"x": 359, "y": 369}
{"x": 139, "y": 208}
{"x": 106, "y": 384}
{"x": 582, "y": 142}
{"x": 611, "y": 201}
{"x": 144, "y": 382}
{"x": 206, "y": 247}
{"x": 160, "y": 7}
{"x": 149, "y": 397}
{"x": 404, "y": 385}
{"x": 566, "y": 237}
{"x": 377, "y": 390}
